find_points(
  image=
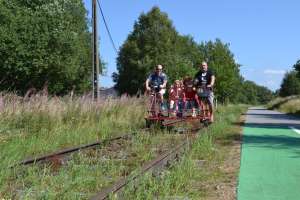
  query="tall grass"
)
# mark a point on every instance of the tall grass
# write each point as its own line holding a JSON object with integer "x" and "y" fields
{"x": 290, "y": 105}
{"x": 42, "y": 124}
{"x": 199, "y": 172}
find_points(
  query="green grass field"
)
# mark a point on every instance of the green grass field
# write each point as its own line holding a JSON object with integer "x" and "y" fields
{"x": 41, "y": 125}
{"x": 202, "y": 169}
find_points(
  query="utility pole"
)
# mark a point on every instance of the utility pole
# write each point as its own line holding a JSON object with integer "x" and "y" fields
{"x": 95, "y": 76}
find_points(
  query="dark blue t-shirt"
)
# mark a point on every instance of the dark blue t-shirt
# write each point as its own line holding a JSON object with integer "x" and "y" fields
{"x": 156, "y": 80}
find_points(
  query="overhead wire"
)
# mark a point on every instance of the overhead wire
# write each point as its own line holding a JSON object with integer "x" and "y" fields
{"x": 106, "y": 27}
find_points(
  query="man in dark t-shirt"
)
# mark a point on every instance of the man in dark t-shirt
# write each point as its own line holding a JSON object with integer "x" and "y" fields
{"x": 204, "y": 81}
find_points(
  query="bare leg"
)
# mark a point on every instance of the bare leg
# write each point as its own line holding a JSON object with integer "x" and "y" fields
{"x": 211, "y": 113}
{"x": 172, "y": 104}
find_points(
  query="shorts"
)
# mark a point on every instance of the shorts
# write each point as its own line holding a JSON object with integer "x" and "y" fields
{"x": 209, "y": 97}
{"x": 162, "y": 91}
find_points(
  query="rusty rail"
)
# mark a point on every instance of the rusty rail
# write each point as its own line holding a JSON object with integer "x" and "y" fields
{"x": 70, "y": 150}
{"x": 152, "y": 166}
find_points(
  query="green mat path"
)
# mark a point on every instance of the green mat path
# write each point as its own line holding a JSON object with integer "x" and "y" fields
{"x": 270, "y": 157}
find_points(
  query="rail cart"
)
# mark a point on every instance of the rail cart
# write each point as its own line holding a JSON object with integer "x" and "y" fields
{"x": 165, "y": 117}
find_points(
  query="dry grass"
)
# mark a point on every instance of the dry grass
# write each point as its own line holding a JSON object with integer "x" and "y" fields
{"x": 290, "y": 105}
{"x": 208, "y": 171}
{"x": 40, "y": 124}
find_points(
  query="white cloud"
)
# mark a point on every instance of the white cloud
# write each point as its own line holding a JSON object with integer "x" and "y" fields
{"x": 274, "y": 71}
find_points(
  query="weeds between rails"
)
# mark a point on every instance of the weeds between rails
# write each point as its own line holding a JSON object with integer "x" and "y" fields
{"x": 61, "y": 153}
{"x": 118, "y": 159}
{"x": 67, "y": 151}
{"x": 143, "y": 148}
{"x": 155, "y": 166}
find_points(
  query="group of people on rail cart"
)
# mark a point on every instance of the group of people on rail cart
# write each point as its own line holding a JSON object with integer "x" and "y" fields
{"x": 188, "y": 92}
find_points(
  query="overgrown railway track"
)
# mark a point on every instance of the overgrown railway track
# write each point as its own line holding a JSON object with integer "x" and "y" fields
{"x": 64, "y": 152}
{"x": 155, "y": 165}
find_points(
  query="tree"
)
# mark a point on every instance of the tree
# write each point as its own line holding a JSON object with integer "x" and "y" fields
{"x": 153, "y": 41}
{"x": 44, "y": 43}
{"x": 221, "y": 61}
{"x": 297, "y": 68}
{"x": 251, "y": 93}
{"x": 290, "y": 84}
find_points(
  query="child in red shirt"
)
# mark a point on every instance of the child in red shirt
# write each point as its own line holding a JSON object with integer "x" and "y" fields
{"x": 190, "y": 95}
{"x": 176, "y": 97}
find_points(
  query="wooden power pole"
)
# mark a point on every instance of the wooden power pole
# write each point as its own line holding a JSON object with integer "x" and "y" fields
{"x": 95, "y": 76}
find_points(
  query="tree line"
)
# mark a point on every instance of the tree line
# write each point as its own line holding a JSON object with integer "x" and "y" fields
{"x": 154, "y": 40}
{"x": 48, "y": 44}
{"x": 291, "y": 82}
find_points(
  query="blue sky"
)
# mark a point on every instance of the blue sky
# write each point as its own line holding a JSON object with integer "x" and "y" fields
{"x": 263, "y": 35}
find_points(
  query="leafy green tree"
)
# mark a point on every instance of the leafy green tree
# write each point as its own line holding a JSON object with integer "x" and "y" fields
{"x": 251, "y": 93}
{"x": 153, "y": 41}
{"x": 297, "y": 68}
{"x": 44, "y": 43}
{"x": 264, "y": 95}
{"x": 221, "y": 61}
{"x": 290, "y": 84}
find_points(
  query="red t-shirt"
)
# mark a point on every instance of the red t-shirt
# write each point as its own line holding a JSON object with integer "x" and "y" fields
{"x": 176, "y": 93}
{"x": 189, "y": 93}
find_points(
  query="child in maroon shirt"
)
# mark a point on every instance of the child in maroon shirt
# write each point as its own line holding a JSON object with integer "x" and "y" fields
{"x": 190, "y": 95}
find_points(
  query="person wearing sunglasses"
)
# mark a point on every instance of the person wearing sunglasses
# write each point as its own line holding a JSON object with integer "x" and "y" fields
{"x": 157, "y": 82}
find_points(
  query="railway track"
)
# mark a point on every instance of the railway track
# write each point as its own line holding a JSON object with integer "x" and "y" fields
{"x": 64, "y": 152}
{"x": 154, "y": 166}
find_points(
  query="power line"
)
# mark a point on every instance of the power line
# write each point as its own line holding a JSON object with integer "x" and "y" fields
{"x": 107, "y": 29}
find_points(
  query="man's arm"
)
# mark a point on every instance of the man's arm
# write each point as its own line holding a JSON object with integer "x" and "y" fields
{"x": 212, "y": 82}
{"x": 164, "y": 85}
{"x": 147, "y": 85}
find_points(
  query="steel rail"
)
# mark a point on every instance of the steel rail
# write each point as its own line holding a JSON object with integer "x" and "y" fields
{"x": 151, "y": 166}
{"x": 70, "y": 150}
{"x": 158, "y": 162}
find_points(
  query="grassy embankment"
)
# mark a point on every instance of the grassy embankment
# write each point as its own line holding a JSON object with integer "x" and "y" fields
{"x": 208, "y": 170}
{"x": 39, "y": 125}
{"x": 289, "y": 105}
